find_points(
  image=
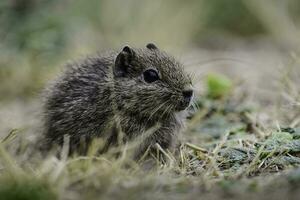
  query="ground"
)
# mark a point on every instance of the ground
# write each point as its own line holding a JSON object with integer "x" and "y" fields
{"x": 241, "y": 139}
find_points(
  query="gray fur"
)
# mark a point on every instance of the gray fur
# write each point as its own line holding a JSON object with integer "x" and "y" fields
{"x": 92, "y": 99}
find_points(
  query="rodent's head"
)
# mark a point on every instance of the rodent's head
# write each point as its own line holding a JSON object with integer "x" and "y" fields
{"x": 150, "y": 83}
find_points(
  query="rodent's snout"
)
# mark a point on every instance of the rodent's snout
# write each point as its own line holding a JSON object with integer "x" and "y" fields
{"x": 187, "y": 95}
{"x": 187, "y": 98}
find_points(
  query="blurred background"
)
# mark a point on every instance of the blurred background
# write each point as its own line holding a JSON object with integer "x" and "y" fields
{"x": 244, "y": 55}
{"x": 39, "y": 36}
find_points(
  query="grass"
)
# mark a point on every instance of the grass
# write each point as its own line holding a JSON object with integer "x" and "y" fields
{"x": 226, "y": 153}
{"x": 234, "y": 147}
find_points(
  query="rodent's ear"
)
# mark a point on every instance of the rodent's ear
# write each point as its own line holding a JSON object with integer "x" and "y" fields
{"x": 123, "y": 61}
{"x": 151, "y": 46}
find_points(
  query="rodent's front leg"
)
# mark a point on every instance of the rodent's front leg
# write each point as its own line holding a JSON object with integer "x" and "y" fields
{"x": 165, "y": 136}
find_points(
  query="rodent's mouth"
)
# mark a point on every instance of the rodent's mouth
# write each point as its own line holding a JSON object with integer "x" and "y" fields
{"x": 182, "y": 105}
{"x": 186, "y": 99}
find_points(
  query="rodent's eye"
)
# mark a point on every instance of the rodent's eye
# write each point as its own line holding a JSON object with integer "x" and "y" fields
{"x": 150, "y": 75}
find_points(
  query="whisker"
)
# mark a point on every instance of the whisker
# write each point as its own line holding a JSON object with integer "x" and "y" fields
{"x": 167, "y": 110}
{"x": 157, "y": 109}
{"x": 196, "y": 104}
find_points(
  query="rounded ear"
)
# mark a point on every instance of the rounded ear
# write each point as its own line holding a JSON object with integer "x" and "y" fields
{"x": 151, "y": 46}
{"x": 123, "y": 61}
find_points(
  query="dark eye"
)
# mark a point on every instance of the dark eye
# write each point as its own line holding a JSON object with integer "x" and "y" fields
{"x": 150, "y": 75}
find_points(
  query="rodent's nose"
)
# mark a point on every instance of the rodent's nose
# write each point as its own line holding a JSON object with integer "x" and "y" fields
{"x": 187, "y": 95}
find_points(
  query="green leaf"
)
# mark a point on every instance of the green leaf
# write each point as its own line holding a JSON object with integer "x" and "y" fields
{"x": 218, "y": 86}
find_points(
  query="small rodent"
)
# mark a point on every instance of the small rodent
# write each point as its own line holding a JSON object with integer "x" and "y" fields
{"x": 129, "y": 91}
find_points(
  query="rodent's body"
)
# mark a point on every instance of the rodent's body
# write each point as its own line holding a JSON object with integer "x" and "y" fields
{"x": 109, "y": 93}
